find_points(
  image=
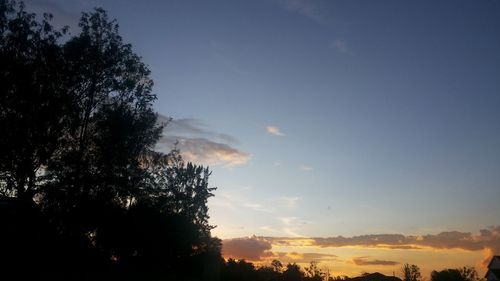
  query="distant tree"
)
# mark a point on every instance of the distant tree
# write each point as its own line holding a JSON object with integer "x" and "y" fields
{"x": 277, "y": 265}
{"x": 446, "y": 275}
{"x": 238, "y": 270}
{"x": 411, "y": 272}
{"x": 465, "y": 273}
{"x": 267, "y": 273}
{"x": 468, "y": 273}
{"x": 313, "y": 272}
{"x": 293, "y": 272}
{"x": 339, "y": 278}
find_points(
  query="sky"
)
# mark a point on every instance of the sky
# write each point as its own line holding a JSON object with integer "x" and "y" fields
{"x": 361, "y": 134}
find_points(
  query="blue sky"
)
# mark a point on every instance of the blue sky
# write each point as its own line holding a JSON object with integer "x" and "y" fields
{"x": 326, "y": 118}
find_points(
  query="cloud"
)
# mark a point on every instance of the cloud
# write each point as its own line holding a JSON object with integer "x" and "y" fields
{"x": 487, "y": 240}
{"x": 198, "y": 144}
{"x": 365, "y": 261}
{"x": 249, "y": 248}
{"x": 339, "y": 45}
{"x": 274, "y": 131}
{"x": 192, "y": 127}
{"x": 295, "y": 257}
{"x": 290, "y": 226}
{"x": 204, "y": 151}
{"x": 289, "y": 202}
{"x": 306, "y": 8}
{"x": 305, "y": 168}
{"x": 257, "y": 207}
{"x": 258, "y": 249}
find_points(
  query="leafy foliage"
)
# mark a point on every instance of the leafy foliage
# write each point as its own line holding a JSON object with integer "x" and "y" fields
{"x": 82, "y": 190}
{"x": 460, "y": 274}
{"x": 411, "y": 272}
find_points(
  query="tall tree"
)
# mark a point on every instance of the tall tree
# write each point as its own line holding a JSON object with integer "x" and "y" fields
{"x": 34, "y": 104}
{"x": 114, "y": 122}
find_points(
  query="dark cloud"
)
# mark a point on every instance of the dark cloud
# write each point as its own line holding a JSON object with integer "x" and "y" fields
{"x": 365, "y": 261}
{"x": 192, "y": 127}
{"x": 250, "y": 248}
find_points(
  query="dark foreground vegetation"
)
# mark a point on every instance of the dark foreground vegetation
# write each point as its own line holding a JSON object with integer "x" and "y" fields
{"x": 83, "y": 194}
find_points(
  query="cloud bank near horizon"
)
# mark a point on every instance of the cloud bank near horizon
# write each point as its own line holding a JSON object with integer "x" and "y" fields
{"x": 487, "y": 240}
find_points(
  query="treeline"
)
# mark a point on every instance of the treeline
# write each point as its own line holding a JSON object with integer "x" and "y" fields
{"x": 246, "y": 271}
{"x": 276, "y": 271}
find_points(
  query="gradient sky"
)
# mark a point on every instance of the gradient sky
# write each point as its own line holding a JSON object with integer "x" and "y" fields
{"x": 328, "y": 118}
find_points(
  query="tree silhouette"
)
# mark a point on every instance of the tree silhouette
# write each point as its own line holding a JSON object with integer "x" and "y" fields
{"x": 33, "y": 102}
{"x": 411, "y": 272}
{"x": 83, "y": 194}
{"x": 293, "y": 272}
{"x": 468, "y": 273}
{"x": 277, "y": 265}
{"x": 314, "y": 273}
{"x": 461, "y": 274}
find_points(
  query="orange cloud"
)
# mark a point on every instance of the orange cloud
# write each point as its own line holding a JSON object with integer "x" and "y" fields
{"x": 295, "y": 257}
{"x": 258, "y": 249}
{"x": 204, "y": 151}
{"x": 249, "y": 248}
{"x": 365, "y": 261}
{"x": 486, "y": 239}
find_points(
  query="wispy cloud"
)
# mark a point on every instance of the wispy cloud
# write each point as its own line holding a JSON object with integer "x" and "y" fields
{"x": 257, "y": 207}
{"x": 231, "y": 198}
{"x": 289, "y": 202}
{"x": 296, "y": 257}
{"x": 290, "y": 226}
{"x": 307, "y": 8}
{"x": 274, "y": 131}
{"x": 305, "y": 168}
{"x": 340, "y": 45}
{"x": 365, "y": 261}
{"x": 198, "y": 144}
{"x": 222, "y": 54}
{"x": 192, "y": 127}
